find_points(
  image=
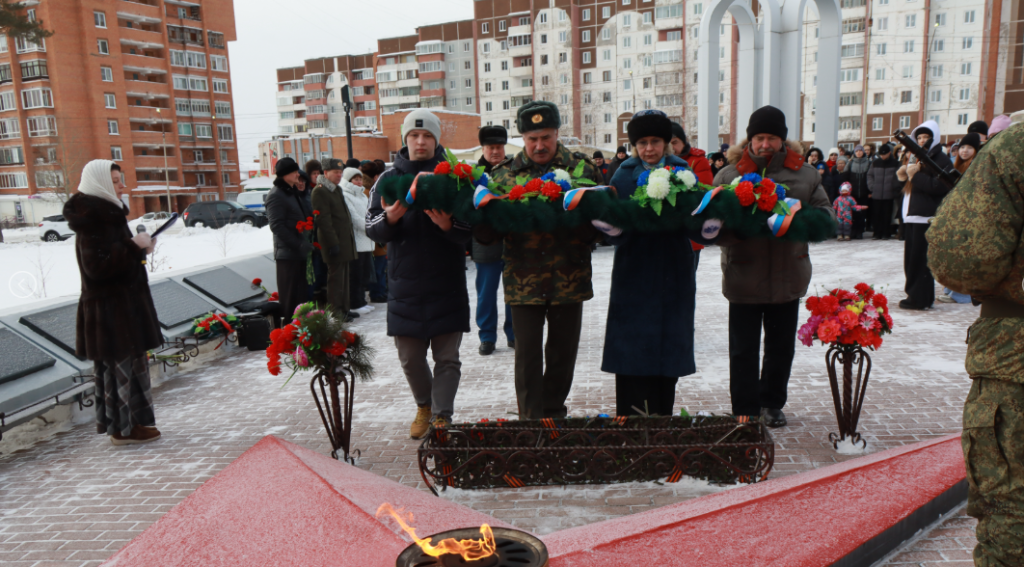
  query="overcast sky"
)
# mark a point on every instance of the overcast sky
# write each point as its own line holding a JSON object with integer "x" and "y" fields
{"x": 274, "y": 34}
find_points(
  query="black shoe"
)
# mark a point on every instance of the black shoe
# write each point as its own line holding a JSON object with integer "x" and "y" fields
{"x": 381, "y": 299}
{"x": 512, "y": 345}
{"x": 906, "y": 304}
{"x": 348, "y": 319}
{"x": 353, "y": 314}
{"x": 486, "y": 348}
{"x": 773, "y": 417}
{"x": 876, "y": 238}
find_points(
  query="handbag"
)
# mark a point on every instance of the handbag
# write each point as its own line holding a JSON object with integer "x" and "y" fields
{"x": 253, "y": 332}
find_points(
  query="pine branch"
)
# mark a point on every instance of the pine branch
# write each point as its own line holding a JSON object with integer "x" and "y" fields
{"x": 15, "y": 23}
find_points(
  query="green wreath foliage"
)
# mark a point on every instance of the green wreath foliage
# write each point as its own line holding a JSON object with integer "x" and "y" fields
{"x": 536, "y": 215}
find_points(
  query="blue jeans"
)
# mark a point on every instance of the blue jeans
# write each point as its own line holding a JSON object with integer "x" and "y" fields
{"x": 957, "y": 297}
{"x": 380, "y": 269}
{"x": 488, "y": 278}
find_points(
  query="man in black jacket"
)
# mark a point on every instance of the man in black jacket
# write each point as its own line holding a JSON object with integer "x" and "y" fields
{"x": 489, "y": 265}
{"x": 428, "y": 304}
{"x": 620, "y": 156}
{"x": 288, "y": 205}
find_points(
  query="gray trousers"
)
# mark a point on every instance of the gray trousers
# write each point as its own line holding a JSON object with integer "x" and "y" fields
{"x": 436, "y": 390}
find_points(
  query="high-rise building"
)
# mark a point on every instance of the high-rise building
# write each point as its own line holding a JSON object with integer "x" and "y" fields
{"x": 142, "y": 82}
{"x": 309, "y": 98}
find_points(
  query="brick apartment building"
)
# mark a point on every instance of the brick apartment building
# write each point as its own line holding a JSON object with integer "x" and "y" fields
{"x": 142, "y": 82}
{"x": 903, "y": 61}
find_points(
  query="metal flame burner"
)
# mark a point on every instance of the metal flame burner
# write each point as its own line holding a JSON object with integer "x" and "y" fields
{"x": 515, "y": 549}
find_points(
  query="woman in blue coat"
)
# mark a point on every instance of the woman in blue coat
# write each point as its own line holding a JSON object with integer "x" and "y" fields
{"x": 649, "y": 338}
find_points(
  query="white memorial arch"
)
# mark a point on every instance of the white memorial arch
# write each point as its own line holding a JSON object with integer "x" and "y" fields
{"x": 769, "y": 66}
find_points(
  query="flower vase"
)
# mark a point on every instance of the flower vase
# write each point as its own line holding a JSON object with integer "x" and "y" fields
{"x": 332, "y": 391}
{"x": 849, "y": 396}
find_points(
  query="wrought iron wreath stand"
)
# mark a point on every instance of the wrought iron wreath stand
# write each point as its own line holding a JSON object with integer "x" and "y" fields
{"x": 850, "y": 398}
{"x": 332, "y": 392}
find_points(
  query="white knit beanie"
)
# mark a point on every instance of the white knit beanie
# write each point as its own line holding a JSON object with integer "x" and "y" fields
{"x": 422, "y": 119}
{"x": 833, "y": 151}
{"x": 349, "y": 173}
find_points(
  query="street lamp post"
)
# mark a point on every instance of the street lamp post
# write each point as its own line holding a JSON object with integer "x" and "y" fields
{"x": 167, "y": 174}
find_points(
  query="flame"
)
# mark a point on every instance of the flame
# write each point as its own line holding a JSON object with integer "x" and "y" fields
{"x": 469, "y": 549}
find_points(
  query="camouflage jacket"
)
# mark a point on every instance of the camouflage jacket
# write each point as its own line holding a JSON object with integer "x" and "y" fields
{"x": 540, "y": 267}
{"x": 976, "y": 247}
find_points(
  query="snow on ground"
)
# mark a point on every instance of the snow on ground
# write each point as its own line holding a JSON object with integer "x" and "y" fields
{"x": 35, "y": 270}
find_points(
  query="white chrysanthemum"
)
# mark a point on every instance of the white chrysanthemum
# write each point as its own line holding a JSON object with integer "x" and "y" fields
{"x": 658, "y": 187}
{"x": 687, "y": 178}
{"x": 660, "y": 173}
{"x": 562, "y": 175}
{"x": 736, "y": 181}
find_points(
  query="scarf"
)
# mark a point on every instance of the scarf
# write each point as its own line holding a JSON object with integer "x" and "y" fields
{"x": 652, "y": 167}
{"x": 96, "y": 181}
{"x": 326, "y": 183}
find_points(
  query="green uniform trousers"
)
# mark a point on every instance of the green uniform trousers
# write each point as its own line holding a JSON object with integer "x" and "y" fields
{"x": 542, "y": 391}
{"x": 993, "y": 443}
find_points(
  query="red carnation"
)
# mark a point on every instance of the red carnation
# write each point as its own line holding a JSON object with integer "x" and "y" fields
{"x": 879, "y": 300}
{"x": 745, "y": 193}
{"x": 273, "y": 297}
{"x": 768, "y": 184}
{"x": 534, "y": 185}
{"x": 848, "y": 318}
{"x": 517, "y": 193}
{"x": 316, "y": 213}
{"x": 551, "y": 190}
{"x": 336, "y": 348}
{"x": 812, "y": 303}
{"x": 767, "y": 202}
{"x": 463, "y": 171}
{"x": 828, "y": 305}
{"x": 443, "y": 168}
{"x": 828, "y": 331}
{"x": 865, "y": 290}
{"x": 349, "y": 337}
{"x": 300, "y": 226}
{"x": 257, "y": 282}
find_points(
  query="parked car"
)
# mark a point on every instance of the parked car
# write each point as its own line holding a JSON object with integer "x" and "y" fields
{"x": 216, "y": 214}
{"x": 255, "y": 200}
{"x": 151, "y": 221}
{"x": 54, "y": 229}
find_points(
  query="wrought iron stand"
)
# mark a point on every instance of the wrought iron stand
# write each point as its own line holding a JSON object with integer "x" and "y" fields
{"x": 332, "y": 392}
{"x": 849, "y": 401}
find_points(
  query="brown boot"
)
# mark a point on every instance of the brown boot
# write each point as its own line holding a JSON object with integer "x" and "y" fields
{"x": 140, "y": 434}
{"x": 422, "y": 422}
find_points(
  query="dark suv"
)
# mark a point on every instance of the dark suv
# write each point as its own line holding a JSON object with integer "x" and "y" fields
{"x": 216, "y": 214}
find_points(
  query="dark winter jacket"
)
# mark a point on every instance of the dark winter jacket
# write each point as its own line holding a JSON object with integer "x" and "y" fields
{"x": 116, "y": 318}
{"x": 614, "y": 166}
{"x": 831, "y": 179}
{"x": 427, "y": 293}
{"x": 486, "y": 253}
{"x": 882, "y": 182}
{"x": 334, "y": 223}
{"x": 769, "y": 270}
{"x": 650, "y": 311}
{"x": 286, "y": 207}
{"x": 926, "y": 190}
{"x": 856, "y": 173}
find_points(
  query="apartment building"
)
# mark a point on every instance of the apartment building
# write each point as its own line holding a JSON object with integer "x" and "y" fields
{"x": 142, "y": 82}
{"x": 309, "y": 98}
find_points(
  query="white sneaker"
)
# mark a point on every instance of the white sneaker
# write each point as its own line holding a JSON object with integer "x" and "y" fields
{"x": 363, "y": 310}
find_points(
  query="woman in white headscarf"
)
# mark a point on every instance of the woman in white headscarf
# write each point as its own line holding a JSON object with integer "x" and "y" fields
{"x": 117, "y": 323}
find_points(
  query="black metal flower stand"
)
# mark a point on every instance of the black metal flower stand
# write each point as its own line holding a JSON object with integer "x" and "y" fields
{"x": 332, "y": 392}
{"x": 850, "y": 399}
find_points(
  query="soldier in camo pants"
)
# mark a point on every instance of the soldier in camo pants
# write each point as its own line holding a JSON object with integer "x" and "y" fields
{"x": 975, "y": 247}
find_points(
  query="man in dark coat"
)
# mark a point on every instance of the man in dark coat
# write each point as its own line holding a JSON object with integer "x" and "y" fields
{"x": 116, "y": 322}
{"x": 335, "y": 235}
{"x": 547, "y": 275}
{"x": 620, "y": 156}
{"x": 764, "y": 278}
{"x": 489, "y": 265}
{"x": 883, "y": 187}
{"x": 287, "y": 206}
{"x": 428, "y": 304}
{"x": 602, "y": 166}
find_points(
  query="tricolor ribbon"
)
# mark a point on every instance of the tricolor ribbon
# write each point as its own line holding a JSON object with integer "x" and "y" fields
{"x": 779, "y": 224}
{"x": 483, "y": 195}
{"x": 574, "y": 196}
{"x": 706, "y": 200}
{"x": 411, "y": 196}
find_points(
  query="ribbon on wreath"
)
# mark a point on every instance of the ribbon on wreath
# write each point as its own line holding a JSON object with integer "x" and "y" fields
{"x": 574, "y": 196}
{"x": 706, "y": 200}
{"x": 483, "y": 195}
{"x": 779, "y": 224}
{"x": 411, "y": 196}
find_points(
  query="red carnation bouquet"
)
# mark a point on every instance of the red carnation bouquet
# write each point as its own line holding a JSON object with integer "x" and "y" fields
{"x": 847, "y": 318}
{"x": 316, "y": 339}
{"x": 307, "y": 230}
{"x": 768, "y": 195}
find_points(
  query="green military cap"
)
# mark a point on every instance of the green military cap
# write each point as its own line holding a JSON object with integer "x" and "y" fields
{"x": 537, "y": 115}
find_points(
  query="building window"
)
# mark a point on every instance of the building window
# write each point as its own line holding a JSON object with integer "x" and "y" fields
{"x": 42, "y": 126}
{"x": 587, "y": 80}
{"x": 940, "y": 19}
{"x": 115, "y": 153}
{"x": 221, "y": 86}
{"x": 101, "y": 45}
{"x": 880, "y": 74}
{"x": 586, "y": 57}
{"x": 469, "y": 101}
{"x": 935, "y": 96}
{"x": 908, "y": 71}
{"x": 37, "y": 98}
{"x": 204, "y": 131}
{"x": 225, "y": 133}
{"x": 969, "y": 17}
{"x": 910, "y": 21}
{"x": 109, "y": 100}
{"x": 854, "y": 50}
{"x": 879, "y": 99}
{"x": 222, "y": 109}
{"x": 504, "y": 65}
{"x": 219, "y": 63}
{"x": 489, "y": 106}
{"x": 501, "y": 26}
{"x": 112, "y": 128}
{"x": 938, "y": 45}
{"x": 961, "y": 119}
{"x": 504, "y": 105}
{"x": 876, "y": 124}
{"x": 627, "y": 41}
{"x": 908, "y": 46}
{"x": 968, "y": 42}
{"x": 585, "y": 37}
{"x": 485, "y": 27}
{"x": 106, "y": 74}
{"x": 849, "y": 75}
{"x": 965, "y": 94}
{"x": 965, "y": 68}
{"x": 906, "y": 97}
{"x": 487, "y": 49}
{"x": 34, "y": 70}
{"x": 627, "y": 20}
{"x": 852, "y": 25}
{"x": 880, "y": 49}
{"x": 524, "y": 21}
{"x": 904, "y": 122}
{"x": 99, "y": 19}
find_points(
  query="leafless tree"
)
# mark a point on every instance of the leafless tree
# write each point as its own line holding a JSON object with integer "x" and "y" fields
{"x": 42, "y": 266}
{"x": 156, "y": 260}
{"x": 67, "y": 158}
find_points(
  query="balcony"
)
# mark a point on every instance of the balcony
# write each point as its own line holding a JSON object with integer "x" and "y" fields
{"x": 140, "y": 40}
{"x": 150, "y": 3}
{"x": 141, "y": 61}
{"x": 200, "y": 166}
{"x": 185, "y": 35}
{"x": 321, "y": 116}
{"x": 155, "y": 163}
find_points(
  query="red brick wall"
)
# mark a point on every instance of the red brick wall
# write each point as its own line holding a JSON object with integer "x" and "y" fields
{"x": 458, "y": 131}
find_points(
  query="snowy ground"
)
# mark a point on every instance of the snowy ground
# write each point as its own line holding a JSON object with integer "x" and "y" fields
{"x": 34, "y": 270}
{"x": 76, "y": 498}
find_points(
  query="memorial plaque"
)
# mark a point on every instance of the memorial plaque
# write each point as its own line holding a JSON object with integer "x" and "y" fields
{"x": 176, "y": 305}
{"x": 56, "y": 325}
{"x": 224, "y": 286}
{"x": 20, "y": 357}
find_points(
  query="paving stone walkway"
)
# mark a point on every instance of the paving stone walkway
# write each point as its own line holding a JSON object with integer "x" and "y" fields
{"x": 74, "y": 499}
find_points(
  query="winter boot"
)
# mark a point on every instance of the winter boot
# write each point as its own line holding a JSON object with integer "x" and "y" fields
{"x": 422, "y": 422}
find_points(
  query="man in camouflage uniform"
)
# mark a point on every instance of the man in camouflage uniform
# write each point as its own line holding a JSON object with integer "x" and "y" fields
{"x": 975, "y": 247}
{"x": 547, "y": 275}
